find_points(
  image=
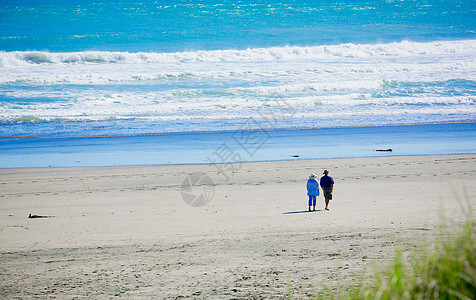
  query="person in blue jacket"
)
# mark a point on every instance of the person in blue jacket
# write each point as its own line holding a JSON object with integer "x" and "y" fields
{"x": 312, "y": 190}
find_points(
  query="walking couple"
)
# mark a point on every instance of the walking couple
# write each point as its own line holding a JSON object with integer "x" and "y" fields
{"x": 327, "y": 185}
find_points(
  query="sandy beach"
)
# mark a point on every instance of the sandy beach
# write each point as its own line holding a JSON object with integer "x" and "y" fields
{"x": 151, "y": 150}
{"x": 127, "y": 232}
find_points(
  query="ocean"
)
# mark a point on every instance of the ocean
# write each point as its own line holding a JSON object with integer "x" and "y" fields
{"x": 128, "y": 70}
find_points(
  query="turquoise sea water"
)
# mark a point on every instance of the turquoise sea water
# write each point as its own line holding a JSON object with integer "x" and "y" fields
{"x": 135, "y": 68}
{"x": 177, "y": 26}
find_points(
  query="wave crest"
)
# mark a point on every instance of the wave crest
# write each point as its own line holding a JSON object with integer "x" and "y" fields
{"x": 401, "y": 49}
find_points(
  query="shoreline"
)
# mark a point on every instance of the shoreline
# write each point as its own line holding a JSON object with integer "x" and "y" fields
{"x": 128, "y": 230}
{"x": 233, "y": 163}
{"x": 240, "y": 146}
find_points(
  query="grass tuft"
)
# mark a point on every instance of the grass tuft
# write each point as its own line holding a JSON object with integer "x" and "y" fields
{"x": 447, "y": 271}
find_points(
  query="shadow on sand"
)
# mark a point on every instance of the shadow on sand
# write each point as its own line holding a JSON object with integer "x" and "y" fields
{"x": 300, "y": 212}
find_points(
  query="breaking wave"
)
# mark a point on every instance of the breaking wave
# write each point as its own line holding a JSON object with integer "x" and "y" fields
{"x": 400, "y": 49}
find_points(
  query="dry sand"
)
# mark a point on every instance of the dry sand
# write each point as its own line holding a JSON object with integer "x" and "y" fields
{"x": 126, "y": 232}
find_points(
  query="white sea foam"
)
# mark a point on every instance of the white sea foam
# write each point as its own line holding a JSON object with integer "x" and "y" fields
{"x": 113, "y": 74}
{"x": 156, "y": 106}
{"x": 403, "y": 82}
{"x": 401, "y": 49}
